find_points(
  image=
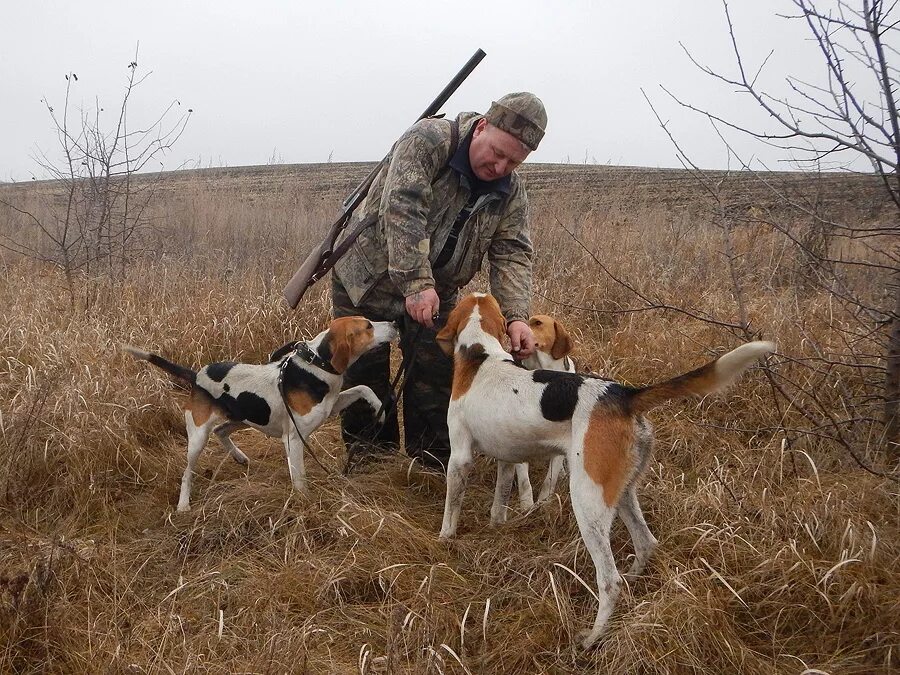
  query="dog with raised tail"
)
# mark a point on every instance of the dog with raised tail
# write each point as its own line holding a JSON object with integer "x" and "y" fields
{"x": 287, "y": 398}
{"x": 516, "y": 415}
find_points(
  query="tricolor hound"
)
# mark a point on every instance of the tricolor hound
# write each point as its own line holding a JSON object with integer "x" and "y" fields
{"x": 303, "y": 377}
{"x": 516, "y": 415}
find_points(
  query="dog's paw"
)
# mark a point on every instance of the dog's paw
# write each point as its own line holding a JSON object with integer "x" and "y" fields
{"x": 379, "y": 412}
{"x": 184, "y": 508}
{"x": 586, "y": 638}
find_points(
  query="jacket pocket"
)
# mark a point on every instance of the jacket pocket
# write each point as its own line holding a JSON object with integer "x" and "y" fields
{"x": 364, "y": 264}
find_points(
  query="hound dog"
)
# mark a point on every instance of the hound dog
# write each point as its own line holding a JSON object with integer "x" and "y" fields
{"x": 552, "y": 346}
{"x": 516, "y": 415}
{"x": 289, "y": 397}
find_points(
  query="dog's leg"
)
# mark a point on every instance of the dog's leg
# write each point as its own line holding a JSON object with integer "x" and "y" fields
{"x": 641, "y": 536}
{"x": 458, "y": 468}
{"x": 548, "y": 488}
{"x": 526, "y": 496}
{"x": 601, "y": 462}
{"x": 594, "y": 519}
{"x": 629, "y": 506}
{"x": 197, "y": 438}
{"x": 352, "y": 395}
{"x": 505, "y": 474}
{"x": 223, "y": 433}
{"x": 293, "y": 447}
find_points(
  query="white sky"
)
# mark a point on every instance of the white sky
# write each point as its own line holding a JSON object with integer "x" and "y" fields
{"x": 304, "y": 81}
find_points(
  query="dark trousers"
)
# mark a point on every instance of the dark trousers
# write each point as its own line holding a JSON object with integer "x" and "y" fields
{"x": 426, "y": 393}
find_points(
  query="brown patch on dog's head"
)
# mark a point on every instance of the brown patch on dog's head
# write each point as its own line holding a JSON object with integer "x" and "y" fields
{"x": 550, "y": 336}
{"x": 492, "y": 321}
{"x": 459, "y": 317}
{"x": 347, "y": 338}
{"x": 609, "y": 452}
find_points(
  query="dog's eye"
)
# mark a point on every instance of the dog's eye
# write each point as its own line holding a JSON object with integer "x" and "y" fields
{"x": 537, "y": 323}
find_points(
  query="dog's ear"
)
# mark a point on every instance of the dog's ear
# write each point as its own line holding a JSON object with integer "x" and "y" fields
{"x": 340, "y": 353}
{"x": 446, "y": 339}
{"x": 562, "y": 345}
{"x": 337, "y": 347}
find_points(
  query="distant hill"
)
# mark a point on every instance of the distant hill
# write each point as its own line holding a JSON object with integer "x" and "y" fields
{"x": 590, "y": 185}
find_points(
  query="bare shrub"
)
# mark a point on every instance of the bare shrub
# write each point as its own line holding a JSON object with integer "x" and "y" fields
{"x": 849, "y": 117}
{"x": 93, "y": 218}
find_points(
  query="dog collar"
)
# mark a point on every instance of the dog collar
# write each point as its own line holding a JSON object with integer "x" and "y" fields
{"x": 308, "y": 355}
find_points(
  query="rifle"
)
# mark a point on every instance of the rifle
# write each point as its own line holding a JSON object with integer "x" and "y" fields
{"x": 323, "y": 257}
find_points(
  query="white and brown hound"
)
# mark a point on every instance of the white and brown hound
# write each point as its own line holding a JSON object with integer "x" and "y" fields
{"x": 516, "y": 415}
{"x": 304, "y": 378}
{"x": 552, "y": 346}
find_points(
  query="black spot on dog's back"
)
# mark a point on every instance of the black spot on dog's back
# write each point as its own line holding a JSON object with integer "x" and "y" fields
{"x": 545, "y": 376}
{"x": 297, "y": 378}
{"x": 217, "y": 371}
{"x": 560, "y": 396}
{"x": 247, "y": 407}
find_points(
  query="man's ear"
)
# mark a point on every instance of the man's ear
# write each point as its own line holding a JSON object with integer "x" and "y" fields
{"x": 562, "y": 345}
{"x": 446, "y": 339}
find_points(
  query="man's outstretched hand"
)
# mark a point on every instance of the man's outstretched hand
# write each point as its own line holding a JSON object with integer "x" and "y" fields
{"x": 521, "y": 339}
{"x": 424, "y": 306}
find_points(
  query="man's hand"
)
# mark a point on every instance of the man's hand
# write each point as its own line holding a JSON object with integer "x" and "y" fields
{"x": 424, "y": 305}
{"x": 521, "y": 339}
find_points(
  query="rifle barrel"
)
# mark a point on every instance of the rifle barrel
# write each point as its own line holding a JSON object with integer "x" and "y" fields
{"x": 321, "y": 259}
{"x": 453, "y": 85}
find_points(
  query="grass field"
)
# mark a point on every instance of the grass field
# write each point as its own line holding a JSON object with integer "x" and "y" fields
{"x": 774, "y": 557}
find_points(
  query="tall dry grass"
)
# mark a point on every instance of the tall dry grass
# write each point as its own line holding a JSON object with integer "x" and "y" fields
{"x": 772, "y": 559}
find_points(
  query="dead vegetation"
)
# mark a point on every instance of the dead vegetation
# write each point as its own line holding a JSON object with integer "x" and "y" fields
{"x": 773, "y": 557}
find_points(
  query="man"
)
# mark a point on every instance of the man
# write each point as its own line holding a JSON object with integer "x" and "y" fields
{"x": 447, "y": 196}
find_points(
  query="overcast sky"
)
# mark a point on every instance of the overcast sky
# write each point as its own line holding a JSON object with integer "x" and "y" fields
{"x": 303, "y": 81}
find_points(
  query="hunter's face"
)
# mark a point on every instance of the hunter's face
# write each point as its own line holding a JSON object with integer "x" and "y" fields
{"x": 494, "y": 153}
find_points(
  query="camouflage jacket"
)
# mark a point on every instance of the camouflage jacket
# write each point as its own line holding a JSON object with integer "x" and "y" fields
{"x": 417, "y": 198}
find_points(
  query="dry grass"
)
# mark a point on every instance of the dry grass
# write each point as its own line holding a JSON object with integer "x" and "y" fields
{"x": 770, "y": 560}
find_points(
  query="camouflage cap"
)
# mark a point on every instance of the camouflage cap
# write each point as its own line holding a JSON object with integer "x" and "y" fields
{"x": 521, "y": 114}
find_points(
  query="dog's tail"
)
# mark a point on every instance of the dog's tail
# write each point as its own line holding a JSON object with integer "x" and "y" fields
{"x": 180, "y": 373}
{"x": 707, "y": 379}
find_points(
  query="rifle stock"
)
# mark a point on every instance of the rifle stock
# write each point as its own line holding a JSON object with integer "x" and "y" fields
{"x": 323, "y": 256}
